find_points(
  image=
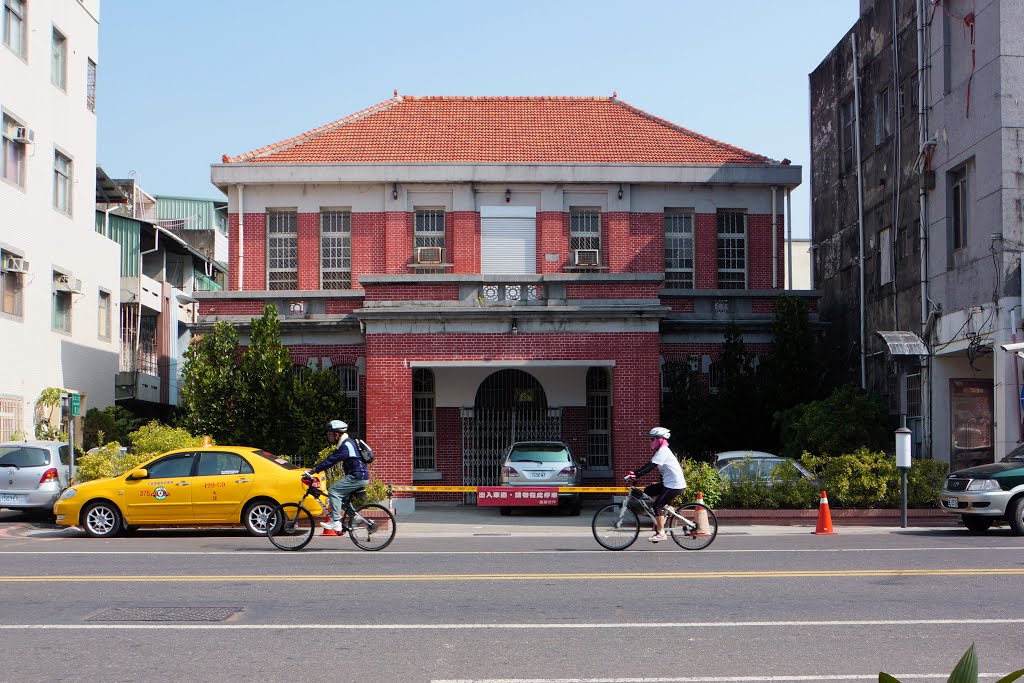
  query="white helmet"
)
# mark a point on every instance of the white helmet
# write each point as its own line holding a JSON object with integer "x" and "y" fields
{"x": 660, "y": 433}
{"x": 336, "y": 426}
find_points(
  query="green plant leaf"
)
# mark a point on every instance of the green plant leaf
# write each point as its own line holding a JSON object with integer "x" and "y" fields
{"x": 886, "y": 678}
{"x": 1009, "y": 678}
{"x": 966, "y": 670}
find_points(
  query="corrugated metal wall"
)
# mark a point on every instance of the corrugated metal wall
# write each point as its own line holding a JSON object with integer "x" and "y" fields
{"x": 197, "y": 214}
{"x": 125, "y": 232}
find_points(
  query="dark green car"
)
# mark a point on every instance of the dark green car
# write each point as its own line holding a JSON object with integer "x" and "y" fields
{"x": 984, "y": 494}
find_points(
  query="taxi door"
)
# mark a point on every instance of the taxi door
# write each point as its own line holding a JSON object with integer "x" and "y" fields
{"x": 165, "y": 495}
{"x": 221, "y": 485}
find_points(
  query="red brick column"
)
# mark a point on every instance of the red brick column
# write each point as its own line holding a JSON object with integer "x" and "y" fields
{"x": 369, "y": 246}
{"x": 389, "y": 409}
{"x": 636, "y": 401}
{"x": 398, "y": 230}
{"x": 309, "y": 250}
{"x": 463, "y": 241}
{"x": 552, "y": 237}
{"x": 255, "y": 273}
{"x": 706, "y": 250}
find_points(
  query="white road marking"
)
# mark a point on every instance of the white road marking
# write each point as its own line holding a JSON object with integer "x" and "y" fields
{"x": 708, "y": 679}
{"x": 270, "y": 552}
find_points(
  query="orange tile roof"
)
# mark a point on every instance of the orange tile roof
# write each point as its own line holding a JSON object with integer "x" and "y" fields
{"x": 528, "y": 130}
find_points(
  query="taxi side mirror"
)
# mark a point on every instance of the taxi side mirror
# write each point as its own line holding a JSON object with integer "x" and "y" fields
{"x": 140, "y": 473}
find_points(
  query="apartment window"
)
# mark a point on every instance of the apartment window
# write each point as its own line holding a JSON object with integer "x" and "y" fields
{"x": 282, "y": 250}
{"x": 14, "y": 153}
{"x": 335, "y": 250}
{"x": 11, "y": 284}
{"x": 10, "y": 417}
{"x": 679, "y": 249}
{"x": 90, "y": 85}
{"x": 423, "y": 422}
{"x": 428, "y": 231}
{"x": 885, "y": 256}
{"x": 14, "y": 26}
{"x": 62, "y": 183}
{"x": 61, "y": 303}
{"x": 883, "y": 115}
{"x": 585, "y": 236}
{"x": 59, "y": 60}
{"x": 732, "y": 249}
{"x": 599, "y": 419}
{"x": 103, "y": 313}
{"x": 958, "y": 207}
{"x": 846, "y": 135}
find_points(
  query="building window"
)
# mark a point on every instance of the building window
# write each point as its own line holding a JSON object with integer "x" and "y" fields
{"x": 585, "y": 236}
{"x": 147, "y": 345}
{"x": 14, "y": 26}
{"x": 679, "y": 249}
{"x": 885, "y": 256}
{"x": 958, "y": 207}
{"x": 335, "y": 250}
{"x": 883, "y": 115}
{"x": 90, "y": 85}
{"x": 423, "y": 423}
{"x": 11, "y": 283}
{"x": 428, "y": 239}
{"x": 732, "y": 249}
{"x": 282, "y": 250}
{"x": 103, "y": 313}
{"x": 846, "y": 135}
{"x": 61, "y": 303}
{"x": 348, "y": 381}
{"x": 62, "y": 183}
{"x": 914, "y": 395}
{"x": 10, "y": 417}
{"x": 59, "y": 60}
{"x": 599, "y": 419}
{"x": 14, "y": 152}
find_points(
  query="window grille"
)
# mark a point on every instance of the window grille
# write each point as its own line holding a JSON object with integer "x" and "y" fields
{"x": 679, "y": 250}
{"x": 13, "y": 158}
{"x": 14, "y": 26}
{"x": 282, "y": 250}
{"x": 914, "y": 395}
{"x": 732, "y": 250}
{"x": 11, "y": 287}
{"x": 62, "y": 183}
{"x": 11, "y": 417}
{"x": 423, "y": 420}
{"x": 129, "y": 316}
{"x": 846, "y": 135}
{"x": 147, "y": 345}
{"x": 104, "y": 315}
{"x": 429, "y": 231}
{"x": 61, "y": 305}
{"x": 585, "y": 230}
{"x": 335, "y": 250}
{"x": 90, "y": 85}
{"x": 348, "y": 381}
{"x": 958, "y": 214}
{"x": 599, "y": 414}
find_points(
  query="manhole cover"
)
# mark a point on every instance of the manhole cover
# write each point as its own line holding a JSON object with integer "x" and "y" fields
{"x": 166, "y": 614}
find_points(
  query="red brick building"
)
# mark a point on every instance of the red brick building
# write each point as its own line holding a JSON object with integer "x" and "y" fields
{"x": 484, "y": 269}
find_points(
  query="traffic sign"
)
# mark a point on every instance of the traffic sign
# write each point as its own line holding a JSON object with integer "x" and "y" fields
{"x": 76, "y": 404}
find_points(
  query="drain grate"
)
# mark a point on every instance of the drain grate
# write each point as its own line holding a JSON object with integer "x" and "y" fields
{"x": 166, "y": 614}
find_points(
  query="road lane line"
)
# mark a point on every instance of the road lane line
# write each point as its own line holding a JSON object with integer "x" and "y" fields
{"x": 646, "y": 576}
{"x": 709, "y": 679}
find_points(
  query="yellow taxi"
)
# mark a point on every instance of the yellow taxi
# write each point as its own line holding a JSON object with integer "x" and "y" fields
{"x": 211, "y": 485}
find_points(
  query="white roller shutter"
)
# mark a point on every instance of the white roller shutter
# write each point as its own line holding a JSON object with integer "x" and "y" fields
{"x": 508, "y": 240}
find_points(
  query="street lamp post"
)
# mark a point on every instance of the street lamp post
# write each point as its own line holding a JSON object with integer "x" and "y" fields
{"x": 903, "y": 463}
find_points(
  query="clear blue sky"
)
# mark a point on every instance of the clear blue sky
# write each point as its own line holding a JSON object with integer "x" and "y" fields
{"x": 182, "y": 82}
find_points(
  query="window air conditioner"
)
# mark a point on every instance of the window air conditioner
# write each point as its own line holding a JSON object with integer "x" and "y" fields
{"x": 24, "y": 135}
{"x": 15, "y": 265}
{"x": 586, "y": 257}
{"x": 429, "y": 255}
{"x": 69, "y": 284}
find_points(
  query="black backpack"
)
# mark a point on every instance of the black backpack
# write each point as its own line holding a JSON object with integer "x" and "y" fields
{"x": 365, "y": 452}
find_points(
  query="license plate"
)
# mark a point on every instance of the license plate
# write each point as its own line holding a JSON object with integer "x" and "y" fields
{"x": 8, "y": 498}
{"x": 952, "y": 502}
{"x": 538, "y": 475}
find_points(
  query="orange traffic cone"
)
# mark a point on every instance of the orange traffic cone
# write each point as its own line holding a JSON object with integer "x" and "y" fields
{"x": 327, "y": 518}
{"x": 702, "y": 516}
{"x": 824, "y": 517}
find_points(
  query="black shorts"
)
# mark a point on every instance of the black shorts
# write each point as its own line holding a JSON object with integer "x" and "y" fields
{"x": 661, "y": 496}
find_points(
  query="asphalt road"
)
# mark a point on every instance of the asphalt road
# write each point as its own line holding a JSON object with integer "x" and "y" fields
{"x": 755, "y": 606}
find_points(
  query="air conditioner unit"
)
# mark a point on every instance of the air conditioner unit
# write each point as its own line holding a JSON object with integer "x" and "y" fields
{"x": 69, "y": 284}
{"x": 429, "y": 255}
{"x": 15, "y": 265}
{"x": 25, "y": 135}
{"x": 586, "y": 257}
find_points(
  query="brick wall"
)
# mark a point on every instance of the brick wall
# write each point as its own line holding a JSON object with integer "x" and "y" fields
{"x": 309, "y": 250}
{"x": 463, "y": 238}
{"x": 255, "y": 275}
{"x": 369, "y": 245}
{"x": 552, "y": 237}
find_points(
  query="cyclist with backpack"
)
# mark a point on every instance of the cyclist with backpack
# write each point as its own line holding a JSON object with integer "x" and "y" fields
{"x": 357, "y": 476}
{"x": 672, "y": 480}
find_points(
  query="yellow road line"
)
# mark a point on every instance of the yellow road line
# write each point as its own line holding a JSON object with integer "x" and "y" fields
{"x": 840, "y": 573}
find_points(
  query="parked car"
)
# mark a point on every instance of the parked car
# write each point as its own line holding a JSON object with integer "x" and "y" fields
{"x": 543, "y": 463}
{"x": 213, "y": 485}
{"x": 755, "y": 465}
{"x": 984, "y": 494}
{"x": 32, "y": 474}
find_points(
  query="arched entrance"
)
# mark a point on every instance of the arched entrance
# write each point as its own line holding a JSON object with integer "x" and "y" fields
{"x": 510, "y": 406}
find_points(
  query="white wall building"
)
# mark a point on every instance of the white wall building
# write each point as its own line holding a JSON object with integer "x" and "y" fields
{"x": 60, "y": 285}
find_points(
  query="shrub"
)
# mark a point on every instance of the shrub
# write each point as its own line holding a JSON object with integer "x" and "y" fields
{"x": 846, "y": 420}
{"x": 108, "y": 461}
{"x": 862, "y": 479}
{"x": 924, "y": 481}
{"x": 965, "y": 671}
{"x": 704, "y": 478}
{"x": 155, "y": 438}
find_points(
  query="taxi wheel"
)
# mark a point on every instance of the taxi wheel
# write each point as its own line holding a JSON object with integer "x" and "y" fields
{"x": 1017, "y": 517}
{"x": 976, "y": 524}
{"x": 101, "y": 520}
{"x": 257, "y": 515}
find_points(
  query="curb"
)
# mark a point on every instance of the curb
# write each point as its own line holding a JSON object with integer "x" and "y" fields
{"x": 862, "y": 517}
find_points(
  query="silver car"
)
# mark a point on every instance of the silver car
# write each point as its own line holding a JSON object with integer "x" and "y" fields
{"x": 543, "y": 463}
{"x": 32, "y": 474}
{"x": 739, "y": 466}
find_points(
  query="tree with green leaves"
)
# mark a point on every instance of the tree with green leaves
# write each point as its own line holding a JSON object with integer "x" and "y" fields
{"x": 738, "y": 418}
{"x": 684, "y": 410}
{"x": 848, "y": 419}
{"x": 790, "y": 372}
{"x": 210, "y": 390}
{"x": 316, "y": 398}
{"x": 265, "y": 383}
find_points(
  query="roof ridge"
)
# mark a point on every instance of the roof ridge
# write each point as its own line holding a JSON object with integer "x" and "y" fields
{"x": 302, "y": 137}
{"x": 664, "y": 122}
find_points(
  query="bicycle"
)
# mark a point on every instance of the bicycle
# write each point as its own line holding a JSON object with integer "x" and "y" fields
{"x": 290, "y": 526}
{"x": 693, "y": 526}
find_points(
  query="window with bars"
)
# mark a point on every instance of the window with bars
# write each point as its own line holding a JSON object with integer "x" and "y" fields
{"x": 11, "y": 417}
{"x": 90, "y": 85}
{"x": 147, "y": 361}
{"x": 14, "y": 26}
{"x": 282, "y": 249}
{"x": 348, "y": 381}
{"x": 11, "y": 287}
{"x": 104, "y": 315}
{"x": 61, "y": 320}
{"x": 679, "y": 249}
{"x": 62, "y": 172}
{"x": 335, "y": 250}
{"x": 423, "y": 420}
{"x": 846, "y": 133}
{"x": 13, "y": 159}
{"x": 599, "y": 419}
{"x": 732, "y": 249}
{"x": 59, "y": 60}
{"x": 914, "y": 395}
{"x": 584, "y": 235}
{"x": 428, "y": 231}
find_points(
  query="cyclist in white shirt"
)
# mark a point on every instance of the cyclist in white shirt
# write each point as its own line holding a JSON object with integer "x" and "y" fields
{"x": 672, "y": 480}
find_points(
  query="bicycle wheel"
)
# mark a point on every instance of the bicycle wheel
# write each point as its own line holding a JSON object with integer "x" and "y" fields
{"x": 613, "y": 533}
{"x": 372, "y": 527}
{"x": 290, "y": 526}
{"x": 701, "y": 530}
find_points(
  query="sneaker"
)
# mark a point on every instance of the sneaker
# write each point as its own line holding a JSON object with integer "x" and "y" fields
{"x": 331, "y": 526}
{"x": 659, "y": 536}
